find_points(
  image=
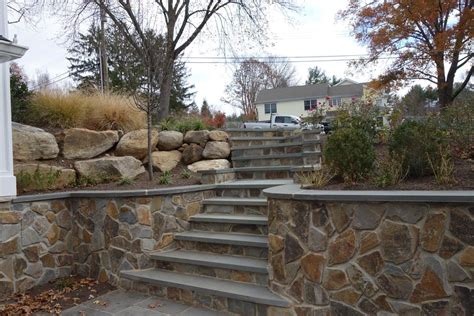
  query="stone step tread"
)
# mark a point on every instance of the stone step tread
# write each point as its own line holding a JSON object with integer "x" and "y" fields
{"x": 260, "y": 157}
{"x": 231, "y": 219}
{"x": 230, "y": 289}
{"x": 213, "y": 260}
{"x": 253, "y": 184}
{"x": 235, "y": 201}
{"x": 237, "y": 239}
{"x": 277, "y": 138}
{"x": 278, "y": 145}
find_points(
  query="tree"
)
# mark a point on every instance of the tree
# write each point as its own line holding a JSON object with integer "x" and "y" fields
{"x": 184, "y": 21}
{"x": 20, "y": 94}
{"x": 125, "y": 68}
{"x": 416, "y": 101}
{"x": 250, "y": 77}
{"x": 205, "y": 109}
{"x": 430, "y": 40}
{"x": 316, "y": 75}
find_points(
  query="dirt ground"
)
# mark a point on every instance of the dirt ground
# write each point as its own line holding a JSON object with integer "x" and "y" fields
{"x": 54, "y": 297}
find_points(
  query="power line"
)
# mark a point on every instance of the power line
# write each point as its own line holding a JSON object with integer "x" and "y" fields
{"x": 281, "y": 61}
{"x": 52, "y": 82}
{"x": 275, "y": 57}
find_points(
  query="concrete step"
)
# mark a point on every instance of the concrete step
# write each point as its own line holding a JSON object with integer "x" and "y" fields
{"x": 235, "y": 201}
{"x": 230, "y": 219}
{"x": 234, "y": 239}
{"x": 223, "y": 288}
{"x": 213, "y": 260}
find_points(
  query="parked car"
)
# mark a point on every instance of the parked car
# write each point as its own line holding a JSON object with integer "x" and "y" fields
{"x": 281, "y": 121}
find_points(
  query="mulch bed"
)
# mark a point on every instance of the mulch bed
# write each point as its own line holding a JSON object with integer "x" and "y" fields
{"x": 55, "y": 297}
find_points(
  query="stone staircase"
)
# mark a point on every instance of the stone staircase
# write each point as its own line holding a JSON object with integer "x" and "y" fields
{"x": 221, "y": 261}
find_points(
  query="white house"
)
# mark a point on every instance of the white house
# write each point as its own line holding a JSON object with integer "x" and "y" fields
{"x": 8, "y": 51}
{"x": 298, "y": 100}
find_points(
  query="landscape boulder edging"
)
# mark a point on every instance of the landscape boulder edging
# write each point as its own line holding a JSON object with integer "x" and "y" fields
{"x": 109, "y": 168}
{"x": 81, "y": 143}
{"x": 135, "y": 143}
{"x": 32, "y": 143}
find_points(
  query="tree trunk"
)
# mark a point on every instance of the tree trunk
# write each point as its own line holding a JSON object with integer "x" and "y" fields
{"x": 165, "y": 89}
{"x": 104, "y": 67}
{"x": 150, "y": 163}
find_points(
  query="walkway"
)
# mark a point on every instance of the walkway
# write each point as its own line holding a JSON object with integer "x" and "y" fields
{"x": 122, "y": 303}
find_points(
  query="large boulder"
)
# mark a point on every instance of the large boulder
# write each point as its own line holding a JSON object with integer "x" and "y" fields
{"x": 218, "y": 136}
{"x": 216, "y": 150}
{"x": 81, "y": 143}
{"x": 197, "y": 137}
{"x": 32, "y": 176}
{"x": 135, "y": 143}
{"x": 192, "y": 153}
{"x": 31, "y": 143}
{"x": 109, "y": 168}
{"x": 209, "y": 165}
{"x": 169, "y": 140}
{"x": 165, "y": 160}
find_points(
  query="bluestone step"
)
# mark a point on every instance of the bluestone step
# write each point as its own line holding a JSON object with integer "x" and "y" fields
{"x": 224, "y": 238}
{"x": 213, "y": 260}
{"x": 260, "y": 157}
{"x": 235, "y": 201}
{"x": 239, "y": 291}
{"x": 253, "y": 184}
{"x": 230, "y": 219}
{"x": 259, "y": 138}
{"x": 266, "y": 146}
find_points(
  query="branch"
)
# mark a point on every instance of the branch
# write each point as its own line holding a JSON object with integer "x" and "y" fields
{"x": 464, "y": 84}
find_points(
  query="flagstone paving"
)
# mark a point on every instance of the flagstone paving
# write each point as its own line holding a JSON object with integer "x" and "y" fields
{"x": 124, "y": 303}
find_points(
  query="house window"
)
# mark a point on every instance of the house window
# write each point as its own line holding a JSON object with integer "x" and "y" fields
{"x": 310, "y": 104}
{"x": 335, "y": 101}
{"x": 270, "y": 108}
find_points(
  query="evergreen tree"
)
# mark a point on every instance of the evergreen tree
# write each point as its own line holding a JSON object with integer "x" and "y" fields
{"x": 317, "y": 76}
{"x": 126, "y": 70}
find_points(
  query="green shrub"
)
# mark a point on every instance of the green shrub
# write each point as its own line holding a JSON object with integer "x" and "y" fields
{"x": 388, "y": 172}
{"x": 349, "y": 152}
{"x": 185, "y": 174}
{"x": 458, "y": 121}
{"x": 125, "y": 181}
{"x": 184, "y": 124}
{"x": 416, "y": 141}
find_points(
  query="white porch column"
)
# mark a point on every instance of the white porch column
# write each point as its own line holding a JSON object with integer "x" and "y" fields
{"x": 7, "y": 179}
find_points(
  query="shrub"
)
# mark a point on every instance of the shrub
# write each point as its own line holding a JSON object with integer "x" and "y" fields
{"x": 20, "y": 94}
{"x": 217, "y": 121}
{"x": 443, "y": 168}
{"x": 183, "y": 124}
{"x": 458, "y": 121}
{"x": 56, "y": 109}
{"x": 185, "y": 174}
{"x": 125, "y": 181}
{"x": 316, "y": 178}
{"x": 349, "y": 152}
{"x": 365, "y": 123}
{"x": 389, "y": 171}
{"x": 415, "y": 142}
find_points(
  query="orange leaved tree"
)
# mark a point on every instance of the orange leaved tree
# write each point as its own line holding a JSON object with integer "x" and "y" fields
{"x": 429, "y": 39}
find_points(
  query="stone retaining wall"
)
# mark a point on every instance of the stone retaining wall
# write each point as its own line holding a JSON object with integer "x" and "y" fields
{"x": 342, "y": 257}
{"x": 95, "y": 236}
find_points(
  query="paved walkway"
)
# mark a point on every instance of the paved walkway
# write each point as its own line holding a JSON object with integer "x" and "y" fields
{"x": 122, "y": 303}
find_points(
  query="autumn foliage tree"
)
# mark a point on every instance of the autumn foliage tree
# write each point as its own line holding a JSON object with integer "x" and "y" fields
{"x": 429, "y": 39}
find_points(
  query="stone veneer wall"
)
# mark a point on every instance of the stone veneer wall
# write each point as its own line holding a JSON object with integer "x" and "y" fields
{"x": 354, "y": 258}
{"x": 95, "y": 236}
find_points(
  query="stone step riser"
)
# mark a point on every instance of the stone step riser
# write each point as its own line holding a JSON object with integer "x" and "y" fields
{"x": 266, "y": 151}
{"x": 253, "y": 252}
{"x": 264, "y": 175}
{"x": 241, "y": 192}
{"x": 250, "y": 142}
{"x": 198, "y": 299}
{"x": 259, "y": 133}
{"x": 294, "y": 161}
{"x": 230, "y": 228}
{"x": 213, "y": 272}
{"x": 234, "y": 209}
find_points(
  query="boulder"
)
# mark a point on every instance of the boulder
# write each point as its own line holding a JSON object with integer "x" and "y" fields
{"x": 192, "y": 153}
{"x": 216, "y": 150}
{"x": 165, "y": 160}
{"x": 81, "y": 143}
{"x": 109, "y": 168}
{"x": 135, "y": 143}
{"x": 31, "y": 176}
{"x": 196, "y": 137}
{"x": 209, "y": 165}
{"x": 169, "y": 140}
{"x": 218, "y": 136}
{"x": 31, "y": 143}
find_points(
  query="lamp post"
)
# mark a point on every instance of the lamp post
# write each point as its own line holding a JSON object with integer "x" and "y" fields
{"x": 8, "y": 52}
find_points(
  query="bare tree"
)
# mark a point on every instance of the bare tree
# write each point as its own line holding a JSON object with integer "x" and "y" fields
{"x": 251, "y": 76}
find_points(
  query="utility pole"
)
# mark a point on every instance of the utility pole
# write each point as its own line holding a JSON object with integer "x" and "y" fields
{"x": 104, "y": 67}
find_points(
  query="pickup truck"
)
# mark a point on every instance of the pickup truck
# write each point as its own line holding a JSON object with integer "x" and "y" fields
{"x": 282, "y": 121}
{"x": 278, "y": 121}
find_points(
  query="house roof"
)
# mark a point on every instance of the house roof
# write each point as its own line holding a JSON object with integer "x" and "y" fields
{"x": 309, "y": 91}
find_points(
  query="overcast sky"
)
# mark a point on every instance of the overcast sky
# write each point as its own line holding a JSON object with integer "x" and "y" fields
{"x": 314, "y": 32}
